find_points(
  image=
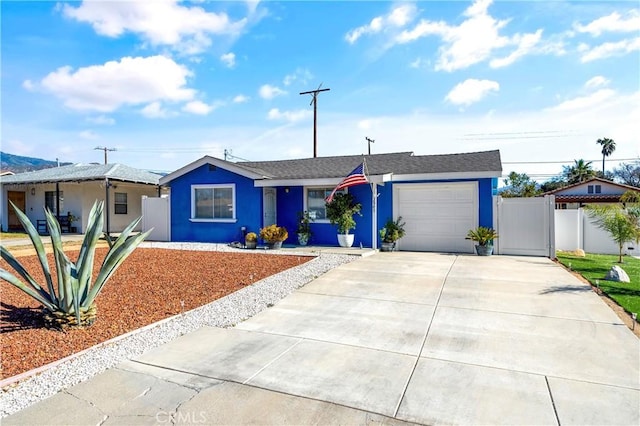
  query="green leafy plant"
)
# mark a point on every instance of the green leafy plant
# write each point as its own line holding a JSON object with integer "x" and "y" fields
{"x": 72, "y": 303}
{"x": 393, "y": 230}
{"x": 482, "y": 235}
{"x": 251, "y": 237}
{"x": 340, "y": 211}
{"x": 304, "y": 223}
{"x": 274, "y": 233}
{"x": 622, "y": 222}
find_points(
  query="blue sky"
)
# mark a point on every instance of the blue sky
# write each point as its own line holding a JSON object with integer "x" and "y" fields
{"x": 166, "y": 82}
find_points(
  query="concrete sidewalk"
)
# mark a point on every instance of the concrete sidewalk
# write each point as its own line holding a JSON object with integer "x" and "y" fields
{"x": 415, "y": 337}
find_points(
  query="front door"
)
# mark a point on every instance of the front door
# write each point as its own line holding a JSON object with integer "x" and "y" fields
{"x": 17, "y": 198}
{"x": 269, "y": 206}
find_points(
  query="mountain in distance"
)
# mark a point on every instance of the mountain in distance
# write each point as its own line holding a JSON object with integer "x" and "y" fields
{"x": 20, "y": 164}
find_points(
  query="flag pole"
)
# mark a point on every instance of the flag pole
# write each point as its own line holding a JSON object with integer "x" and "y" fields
{"x": 374, "y": 207}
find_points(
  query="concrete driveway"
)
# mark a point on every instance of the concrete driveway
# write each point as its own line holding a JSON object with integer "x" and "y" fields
{"x": 417, "y": 337}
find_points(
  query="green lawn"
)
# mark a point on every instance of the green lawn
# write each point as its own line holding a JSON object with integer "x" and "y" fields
{"x": 595, "y": 266}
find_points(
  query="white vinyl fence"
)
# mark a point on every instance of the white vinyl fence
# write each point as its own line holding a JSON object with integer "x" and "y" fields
{"x": 525, "y": 226}
{"x": 156, "y": 214}
{"x": 576, "y": 230}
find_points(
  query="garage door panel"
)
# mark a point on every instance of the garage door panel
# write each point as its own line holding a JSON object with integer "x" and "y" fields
{"x": 437, "y": 215}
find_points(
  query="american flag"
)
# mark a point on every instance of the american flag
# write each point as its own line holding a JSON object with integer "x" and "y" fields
{"x": 356, "y": 177}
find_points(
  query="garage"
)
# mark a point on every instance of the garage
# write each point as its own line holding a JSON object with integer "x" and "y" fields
{"x": 437, "y": 215}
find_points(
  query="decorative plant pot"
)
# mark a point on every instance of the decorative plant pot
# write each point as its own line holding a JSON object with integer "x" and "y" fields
{"x": 345, "y": 240}
{"x": 303, "y": 239}
{"x": 387, "y": 246}
{"x": 251, "y": 244}
{"x": 484, "y": 250}
{"x": 274, "y": 246}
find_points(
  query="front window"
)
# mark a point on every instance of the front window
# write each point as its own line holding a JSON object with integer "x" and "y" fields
{"x": 589, "y": 189}
{"x": 50, "y": 201}
{"x": 120, "y": 206}
{"x": 213, "y": 202}
{"x": 315, "y": 204}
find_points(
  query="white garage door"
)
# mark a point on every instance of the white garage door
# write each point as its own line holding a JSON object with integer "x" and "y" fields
{"x": 437, "y": 215}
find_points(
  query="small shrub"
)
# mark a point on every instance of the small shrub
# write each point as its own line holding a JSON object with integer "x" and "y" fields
{"x": 274, "y": 233}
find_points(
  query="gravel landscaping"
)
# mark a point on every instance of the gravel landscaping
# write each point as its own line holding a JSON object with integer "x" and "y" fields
{"x": 163, "y": 282}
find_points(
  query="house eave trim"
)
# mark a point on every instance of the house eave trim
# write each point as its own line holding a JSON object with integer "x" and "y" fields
{"x": 213, "y": 161}
{"x": 446, "y": 176}
{"x": 316, "y": 181}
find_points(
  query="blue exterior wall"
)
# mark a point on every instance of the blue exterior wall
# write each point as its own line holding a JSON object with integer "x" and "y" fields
{"x": 289, "y": 202}
{"x": 248, "y": 207}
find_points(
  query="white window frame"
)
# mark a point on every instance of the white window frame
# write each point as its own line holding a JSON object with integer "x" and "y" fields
{"x": 231, "y": 186}
{"x": 306, "y": 199}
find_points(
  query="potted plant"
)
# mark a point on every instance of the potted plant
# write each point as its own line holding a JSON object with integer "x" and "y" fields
{"x": 484, "y": 237}
{"x": 390, "y": 233}
{"x": 251, "y": 240}
{"x": 340, "y": 212}
{"x": 304, "y": 227}
{"x": 72, "y": 218}
{"x": 274, "y": 235}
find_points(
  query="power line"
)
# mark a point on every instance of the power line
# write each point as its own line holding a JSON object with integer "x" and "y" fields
{"x": 565, "y": 162}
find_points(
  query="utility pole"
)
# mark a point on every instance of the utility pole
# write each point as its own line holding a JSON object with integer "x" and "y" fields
{"x": 105, "y": 149}
{"x": 370, "y": 141}
{"x": 314, "y": 102}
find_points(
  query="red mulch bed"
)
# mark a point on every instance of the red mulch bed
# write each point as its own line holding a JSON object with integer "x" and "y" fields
{"x": 149, "y": 286}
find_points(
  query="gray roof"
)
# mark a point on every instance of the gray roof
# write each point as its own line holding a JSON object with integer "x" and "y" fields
{"x": 401, "y": 163}
{"x": 83, "y": 173}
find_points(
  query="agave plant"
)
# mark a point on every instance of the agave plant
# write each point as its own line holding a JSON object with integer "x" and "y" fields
{"x": 72, "y": 303}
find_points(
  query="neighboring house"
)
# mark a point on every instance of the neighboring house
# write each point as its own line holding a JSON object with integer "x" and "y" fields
{"x": 592, "y": 191}
{"x": 440, "y": 197}
{"x": 73, "y": 190}
{"x": 6, "y": 173}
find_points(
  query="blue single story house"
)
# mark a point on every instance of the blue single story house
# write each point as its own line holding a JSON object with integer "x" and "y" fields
{"x": 440, "y": 197}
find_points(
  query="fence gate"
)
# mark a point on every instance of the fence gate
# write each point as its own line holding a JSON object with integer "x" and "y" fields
{"x": 525, "y": 226}
{"x": 156, "y": 215}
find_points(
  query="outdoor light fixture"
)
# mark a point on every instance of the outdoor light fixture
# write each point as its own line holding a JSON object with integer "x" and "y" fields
{"x": 286, "y": 189}
{"x": 33, "y": 191}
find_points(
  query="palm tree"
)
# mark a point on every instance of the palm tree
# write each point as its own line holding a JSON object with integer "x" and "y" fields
{"x": 579, "y": 172}
{"x": 608, "y": 146}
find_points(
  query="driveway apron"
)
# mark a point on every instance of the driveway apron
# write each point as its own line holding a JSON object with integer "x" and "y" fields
{"x": 418, "y": 337}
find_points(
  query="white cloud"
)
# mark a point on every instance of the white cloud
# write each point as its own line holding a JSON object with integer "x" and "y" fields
{"x": 611, "y": 23}
{"x": 229, "y": 59}
{"x": 291, "y": 116}
{"x": 420, "y": 63}
{"x": 526, "y": 44}
{"x": 88, "y": 134}
{"x": 474, "y": 40}
{"x": 585, "y": 102}
{"x": 607, "y": 50}
{"x": 268, "y": 91}
{"x": 302, "y": 75}
{"x": 471, "y": 91}
{"x": 155, "y": 110}
{"x": 130, "y": 81}
{"x": 198, "y": 107}
{"x": 28, "y": 85}
{"x": 160, "y": 23}
{"x": 240, "y": 99}
{"x": 596, "y": 81}
{"x": 102, "y": 120}
{"x": 398, "y": 17}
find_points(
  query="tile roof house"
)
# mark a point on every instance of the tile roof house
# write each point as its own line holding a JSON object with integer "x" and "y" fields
{"x": 72, "y": 190}
{"x": 440, "y": 197}
{"x": 595, "y": 190}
